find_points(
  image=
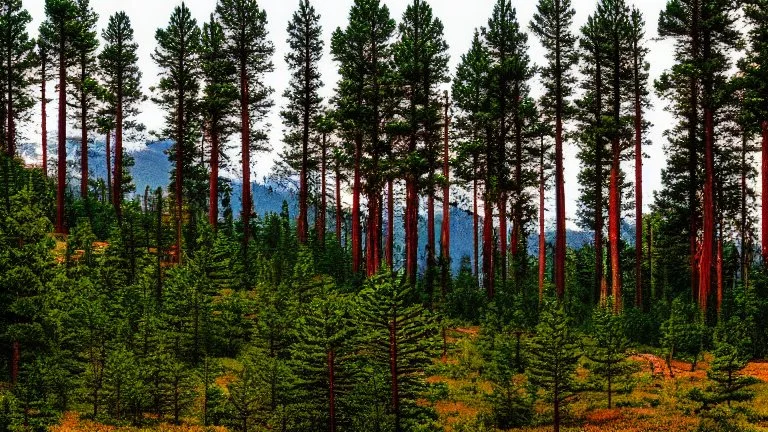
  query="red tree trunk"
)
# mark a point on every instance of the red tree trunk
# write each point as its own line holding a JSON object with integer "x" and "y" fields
{"x": 356, "y": 229}
{"x": 613, "y": 226}
{"x": 720, "y": 270}
{"x": 390, "y": 254}
{"x": 445, "y": 228}
{"x": 393, "y": 369}
{"x": 320, "y": 222}
{"x": 44, "y": 119}
{"x": 542, "y": 240}
{"x": 411, "y": 228}
{"x": 693, "y": 122}
{"x": 764, "y": 198}
{"x": 430, "y": 233}
{"x": 117, "y": 196}
{"x": 83, "y": 145}
{"x": 213, "y": 193}
{"x": 638, "y": 190}
{"x": 245, "y": 148}
{"x": 373, "y": 239}
{"x": 11, "y": 125}
{"x": 488, "y": 247}
{"x": 108, "y": 154}
{"x": 62, "y": 143}
{"x": 503, "y": 235}
{"x": 475, "y": 227}
{"x": 338, "y": 204}
{"x": 179, "y": 174}
{"x": 559, "y": 207}
{"x": 705, "y": 267}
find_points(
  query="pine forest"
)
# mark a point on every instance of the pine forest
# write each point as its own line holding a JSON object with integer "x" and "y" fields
{"x": 339, "y": 221}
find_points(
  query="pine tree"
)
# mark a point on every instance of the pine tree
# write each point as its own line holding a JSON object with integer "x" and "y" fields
{"x": 470, "y": 97}
{"x": 592, "y": 152}
{"x": 755, "y": 68}
{"x": 43, "y": 54}
{"x": 508, "y": 91}
{"x": 244, "y": 24}
{"x": 17, "y": 56}
{"x": 728, "y": 382}
{"x": 322, "y": 356}
{"x": 306, "y": 44}
{"x": 639, "y": 52}
{"x": 551, "y": 24}
{"x": 421, "y": 62}
{"x": 363, "y": 52}
{"x": 554, "y": 357}
{"x": 84, "y": 89}
{"x": 58, "y": 33}
{"x": 399, "y": 336}
{"x": 606, "y": 350}
{"x": 122, "y": 78}
{"x": 218, "y": 105}
{"x": 177, "y": 56}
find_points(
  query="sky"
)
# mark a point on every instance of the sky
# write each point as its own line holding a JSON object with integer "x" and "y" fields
{"x": 460, "y": 19}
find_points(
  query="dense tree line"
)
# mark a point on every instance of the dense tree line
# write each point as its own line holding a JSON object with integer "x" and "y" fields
{"x": 144, "y": 303}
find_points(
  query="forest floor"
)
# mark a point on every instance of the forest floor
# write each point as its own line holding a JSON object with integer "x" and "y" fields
{"x": 657, "y": 402}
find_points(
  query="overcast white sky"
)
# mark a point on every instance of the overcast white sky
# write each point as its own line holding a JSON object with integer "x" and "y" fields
{"x": 459, "y": 17}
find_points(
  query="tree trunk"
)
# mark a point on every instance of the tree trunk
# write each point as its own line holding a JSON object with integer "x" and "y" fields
{"x": 613, "y": 227}
{"x": 62, "y": 141}
{"x": 445, "y": 228}
{"x": 693, "y": 122}
{"x": 44, "y": 116}
{"x": 83, "y": 134}
{"x": 245, "y": 148}
{"x": 764, "y": 197}
{"x": 488, "y": 247}
{"x": 11, "y": 141}
{"x": 430, "y": 238}
{"x": 108, "y": 154}
{"x": 320, "y": 222}
{"x": 179, "y": 172}
{"x": 338, "y": 203}
{"x": 720, "y": 269}
{"x": 743, "y": 227}
{"x": 390, "y": 252}
{"x": 503, "y": 236}
{"x": 705, "y": 267}
{"x": 213, "y": 193}
{"x": 411, "y": 227}
{"x": 357, "y": 251}
{"x": 475, "y": 226}
{"x": 638, "y": 186}
{"x": 118, "y": 194}
{"x": 394, "y": 370}
{"x": 542, "y": 240}
{"x": 559, "y": 182}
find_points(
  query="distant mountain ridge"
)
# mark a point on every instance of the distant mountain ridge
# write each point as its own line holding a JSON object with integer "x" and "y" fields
{"x": 152, "y": 169}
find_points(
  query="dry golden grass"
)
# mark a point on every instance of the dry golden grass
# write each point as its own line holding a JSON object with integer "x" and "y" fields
{"x": 71, "y": 422}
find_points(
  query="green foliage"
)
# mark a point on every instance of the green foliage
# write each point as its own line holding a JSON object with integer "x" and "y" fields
{"x": 682, "y": 333}
{"x": 606, "y": 350}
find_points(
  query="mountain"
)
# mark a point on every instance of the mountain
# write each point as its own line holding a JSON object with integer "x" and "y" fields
{"x": 152, "y": 169}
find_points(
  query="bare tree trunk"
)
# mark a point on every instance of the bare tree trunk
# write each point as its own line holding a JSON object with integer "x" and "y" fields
{"x": 390, "y": 252}
{"x": 705, "y": 268}
{"x": 356, "y": 190}
{"x": 44, "y": 116}
{"x": 542, "y": 240}
{"x": 213, "y": 193}
{"x": 320, "y": 221}
{"x": 613, "y": 227}
{"x": 62, "y": 142}
{"x": 338, "y": 204}
{"x": 445, "y": 229}
{"x": 488, "y": 246}
{"x": 245, "y": 148}
{"x": 638, "y": 187}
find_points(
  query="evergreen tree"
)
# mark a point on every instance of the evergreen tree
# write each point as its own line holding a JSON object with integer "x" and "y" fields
{"x": 755, "y": 68}
{"x": 244, "y": 24}
{"x": 470, "y": 96}
{"x": 177, "y": 56}
{"x": 17, "y": 53}
{"x": 363, "y": 52}
{"x": 551, "y": 24}
{"x": 681, "y": 334}
{"x": 306, "y": 44}
{"x": 554, "y": 355}
{"x": 606, "y": 350}
{"x": 122, "y": 78}
{"x": 399, "y": 337}
{"x": 58, "y": 33}
{"x": 322, "y": 358}
{"x": 421, "y": 61}
{"x": 218, "y": 105}
{"x": 84, "y": 89}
